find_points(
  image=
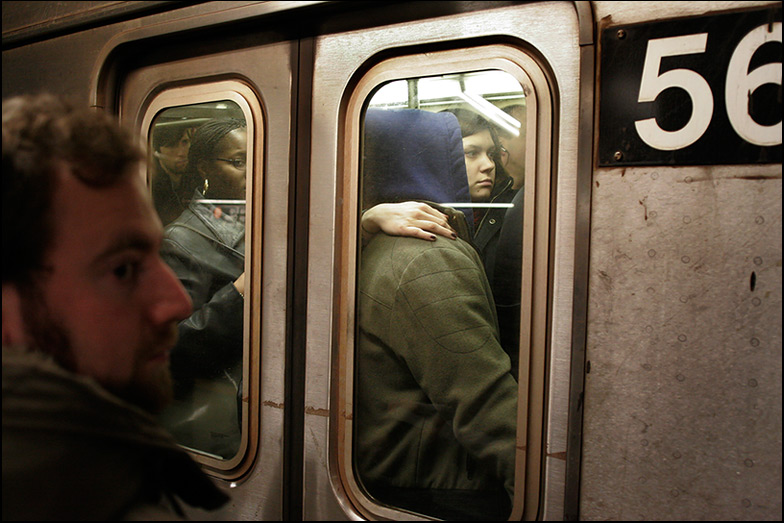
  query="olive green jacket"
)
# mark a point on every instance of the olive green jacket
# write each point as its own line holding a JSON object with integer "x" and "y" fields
{"x": 435, "y": 401}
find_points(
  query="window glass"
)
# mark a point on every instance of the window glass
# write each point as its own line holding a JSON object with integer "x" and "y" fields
{"x": 438, "y": 319}
{"x": 197, "y": 173}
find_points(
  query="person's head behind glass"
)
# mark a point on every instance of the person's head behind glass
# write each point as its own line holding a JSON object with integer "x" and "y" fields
{"x": 515, "y": 146}
{"x": 218, "y": 156}
{"x": 171, "y": 144}
{"x": 483, "y": 153}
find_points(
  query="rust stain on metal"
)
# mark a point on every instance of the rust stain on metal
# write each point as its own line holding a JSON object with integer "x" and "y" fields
{"x": 317, "y": 412}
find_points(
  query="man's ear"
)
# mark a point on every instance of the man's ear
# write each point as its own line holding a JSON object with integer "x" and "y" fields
{"x": 14, "y": 332}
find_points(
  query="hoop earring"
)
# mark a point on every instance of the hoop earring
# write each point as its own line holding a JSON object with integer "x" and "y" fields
{"x": 206, "y": 187}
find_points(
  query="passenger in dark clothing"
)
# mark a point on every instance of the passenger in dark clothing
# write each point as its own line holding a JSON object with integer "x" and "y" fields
{"x": 435, "y": 400}
{"x": 507, "y": 283}
{"x": 171, "y": 188}
{"x": 205, "y": 247}
{"x": 488, "y": 183}
{"x": 503, "y": 264}
{"x": 482, "y": 150}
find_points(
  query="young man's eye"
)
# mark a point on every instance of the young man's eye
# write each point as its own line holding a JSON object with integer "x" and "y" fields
{"x": 126, "y": 271}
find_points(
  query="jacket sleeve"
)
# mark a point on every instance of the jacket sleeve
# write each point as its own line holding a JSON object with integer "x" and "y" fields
{"x": 445, "y": 328}
{"x": 210, "y": 340}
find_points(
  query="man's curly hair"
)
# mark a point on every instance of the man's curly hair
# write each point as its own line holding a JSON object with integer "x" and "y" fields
{"x": 42, "y": 134}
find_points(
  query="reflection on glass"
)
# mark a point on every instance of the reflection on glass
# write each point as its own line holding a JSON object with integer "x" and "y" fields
{"x": 198, "y": 175}
{"x": 437, "y": 353}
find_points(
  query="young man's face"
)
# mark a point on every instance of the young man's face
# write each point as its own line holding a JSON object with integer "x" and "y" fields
{"x": 114, "y": 301}
{"x": 174, "y": 158}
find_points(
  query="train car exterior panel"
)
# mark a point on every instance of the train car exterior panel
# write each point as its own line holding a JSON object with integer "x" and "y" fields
{"x": 680, "y": 390}
{"x": 653, "y": 320}
{"x": 676, "y": 329}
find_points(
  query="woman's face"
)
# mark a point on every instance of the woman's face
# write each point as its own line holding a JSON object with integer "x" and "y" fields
{"x": 480, "y": 167}
{"x": 226, "y": 170}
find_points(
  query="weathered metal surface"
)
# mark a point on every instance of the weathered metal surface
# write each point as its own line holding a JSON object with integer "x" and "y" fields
{"x": 683, "y": 397}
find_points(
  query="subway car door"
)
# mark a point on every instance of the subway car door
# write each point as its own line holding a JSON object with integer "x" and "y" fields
{"x": 430, "y": 58}
{"x": 179, "y": 92}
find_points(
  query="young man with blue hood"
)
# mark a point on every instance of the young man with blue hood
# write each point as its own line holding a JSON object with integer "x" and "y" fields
{"x": 436, "y": 403}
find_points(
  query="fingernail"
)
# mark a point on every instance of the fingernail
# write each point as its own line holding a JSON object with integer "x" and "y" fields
{"x": 432, "y": 237}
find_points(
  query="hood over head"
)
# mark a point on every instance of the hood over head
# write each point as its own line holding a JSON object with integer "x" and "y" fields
{"x": 410, "y": 154}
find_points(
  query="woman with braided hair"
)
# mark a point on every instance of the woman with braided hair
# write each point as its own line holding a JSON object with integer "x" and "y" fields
{"x": 205, "y": 246}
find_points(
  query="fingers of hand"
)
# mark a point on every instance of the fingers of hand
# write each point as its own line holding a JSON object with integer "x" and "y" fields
{"x": 422, "y": 221}
{"x": 442, "y": 230}
{"x": 416, "y": 232}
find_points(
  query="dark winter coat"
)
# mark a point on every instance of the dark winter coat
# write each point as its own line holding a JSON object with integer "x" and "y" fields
{"x": 73, "y": 451}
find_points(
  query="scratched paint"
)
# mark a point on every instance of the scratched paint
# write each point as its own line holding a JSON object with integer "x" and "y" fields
{"x": 684, "y": 341}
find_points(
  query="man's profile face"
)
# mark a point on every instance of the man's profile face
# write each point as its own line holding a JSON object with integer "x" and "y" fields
{"x": 112, "y": 302}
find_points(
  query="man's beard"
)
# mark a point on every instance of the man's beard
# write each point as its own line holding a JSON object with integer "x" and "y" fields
{"x": 151, "y": 391}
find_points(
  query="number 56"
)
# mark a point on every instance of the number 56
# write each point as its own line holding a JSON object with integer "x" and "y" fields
{"x": 739, "y": 85}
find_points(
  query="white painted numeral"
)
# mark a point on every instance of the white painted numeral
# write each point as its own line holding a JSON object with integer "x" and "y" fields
{"x": 653, "y": 83}
{"x": 741, "y": 83}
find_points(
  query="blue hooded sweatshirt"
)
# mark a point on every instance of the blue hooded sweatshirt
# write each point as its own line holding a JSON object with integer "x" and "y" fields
{"x": 423, "y": 162}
